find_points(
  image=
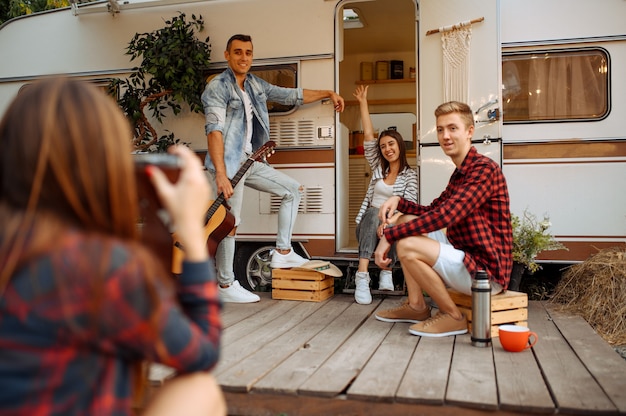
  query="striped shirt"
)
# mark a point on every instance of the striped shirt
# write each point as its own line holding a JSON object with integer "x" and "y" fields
{"x": 405, "y": 185}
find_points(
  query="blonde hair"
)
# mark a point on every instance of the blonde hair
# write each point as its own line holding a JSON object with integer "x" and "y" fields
{"x": 461, "y": 109}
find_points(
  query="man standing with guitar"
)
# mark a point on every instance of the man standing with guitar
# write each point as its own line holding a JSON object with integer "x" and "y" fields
{"x": 237, "y": 124}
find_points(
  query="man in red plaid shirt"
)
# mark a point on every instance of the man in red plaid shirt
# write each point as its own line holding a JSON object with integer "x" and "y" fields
{"x": 474, "y": 211}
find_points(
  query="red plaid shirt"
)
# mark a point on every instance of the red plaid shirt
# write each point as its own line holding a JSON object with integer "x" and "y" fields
{"x": 57, "y": 358}
{"x": 474, "y": 208}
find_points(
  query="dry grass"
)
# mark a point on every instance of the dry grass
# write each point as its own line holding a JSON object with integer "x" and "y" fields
{"x": 596, "y": 290}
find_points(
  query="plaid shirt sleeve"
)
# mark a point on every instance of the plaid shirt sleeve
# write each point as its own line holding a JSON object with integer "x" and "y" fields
{"x": 466, "y": 190}
{"x": 188, "y": 319}
{"x": 191, "y": 333}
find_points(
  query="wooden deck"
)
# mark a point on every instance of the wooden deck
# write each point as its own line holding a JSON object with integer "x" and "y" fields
{"x": 334, "y": 358}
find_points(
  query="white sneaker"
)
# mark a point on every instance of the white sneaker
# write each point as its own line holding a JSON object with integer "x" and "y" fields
{"x": 362, "y": 293}
{"x": 237, "y": 294}
{"x": 385, "y": 280}
{"x": 286, "y": 261}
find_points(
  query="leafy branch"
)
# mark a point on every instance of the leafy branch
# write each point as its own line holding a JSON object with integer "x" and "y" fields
{"x": 172, "y": 73}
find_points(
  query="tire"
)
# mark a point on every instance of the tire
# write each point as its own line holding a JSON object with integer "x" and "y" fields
{"x": 252, "y": 267}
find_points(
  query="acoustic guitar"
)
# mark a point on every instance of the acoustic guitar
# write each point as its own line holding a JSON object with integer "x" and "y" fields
{"x": 218, "y": 220}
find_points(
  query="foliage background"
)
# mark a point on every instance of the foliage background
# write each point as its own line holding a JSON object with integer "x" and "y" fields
{"x": 171, "y": 74}
{"x": 172, "y": 71}
{"x": 531, "y": 237}
{"x": 14, "y": 8}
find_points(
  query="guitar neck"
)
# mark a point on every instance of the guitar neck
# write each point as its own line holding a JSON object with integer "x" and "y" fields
{"x": 235, "y": 180}
{"x": 220, "y": 199}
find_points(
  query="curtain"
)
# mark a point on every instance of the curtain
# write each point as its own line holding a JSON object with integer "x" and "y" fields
{"x": 565, "y": 87}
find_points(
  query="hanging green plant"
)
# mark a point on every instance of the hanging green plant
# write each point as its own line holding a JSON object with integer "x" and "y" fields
{"x": 171, "y": 74}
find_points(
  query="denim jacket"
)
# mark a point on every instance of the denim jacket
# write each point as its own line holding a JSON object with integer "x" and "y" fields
{"x": 224, "y": 111}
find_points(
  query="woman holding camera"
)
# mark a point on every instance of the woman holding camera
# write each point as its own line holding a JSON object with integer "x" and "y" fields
{"x": 83, "y": 304}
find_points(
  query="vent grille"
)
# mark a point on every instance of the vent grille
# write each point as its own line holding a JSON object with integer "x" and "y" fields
{"x": 312, "y": 201}
{"x": 293, "y": 132}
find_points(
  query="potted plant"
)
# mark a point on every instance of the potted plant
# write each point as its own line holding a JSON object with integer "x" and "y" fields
{"x": 530, "y": 237}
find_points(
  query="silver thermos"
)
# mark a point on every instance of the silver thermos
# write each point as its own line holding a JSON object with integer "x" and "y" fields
{"x": 481, "y": 310}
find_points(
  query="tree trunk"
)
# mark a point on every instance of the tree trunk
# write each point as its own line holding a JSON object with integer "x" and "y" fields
{"x": 142, "y": 142}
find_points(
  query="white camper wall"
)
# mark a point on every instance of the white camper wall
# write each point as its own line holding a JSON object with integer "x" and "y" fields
{"x": 569, "y": 23}
{"x": 538, "y": 20}
{"x": 572, "y": 171}
{"x": 94, "y": 44}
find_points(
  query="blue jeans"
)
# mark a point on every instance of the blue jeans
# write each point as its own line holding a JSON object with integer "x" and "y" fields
{"x": 368, "y": 238}
{"x": 264, "y": 178}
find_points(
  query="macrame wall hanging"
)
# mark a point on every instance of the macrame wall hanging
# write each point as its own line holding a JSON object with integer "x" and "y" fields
{"x": 455, "y": 44}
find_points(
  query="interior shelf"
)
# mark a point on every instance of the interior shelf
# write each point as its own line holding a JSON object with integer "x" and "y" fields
{"x": 385, "y": 81}
{"x": 389, "y": 101}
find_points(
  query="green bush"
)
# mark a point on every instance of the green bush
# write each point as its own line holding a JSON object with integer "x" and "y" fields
{"x": 531, "y": 237}
{"x": 171, "y": 74}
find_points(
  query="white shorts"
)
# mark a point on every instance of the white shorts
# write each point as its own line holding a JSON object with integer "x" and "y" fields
{"x": 450, "y": 267}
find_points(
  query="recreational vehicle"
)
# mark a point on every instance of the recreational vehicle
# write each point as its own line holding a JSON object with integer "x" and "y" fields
{"x": 545, "y": 79}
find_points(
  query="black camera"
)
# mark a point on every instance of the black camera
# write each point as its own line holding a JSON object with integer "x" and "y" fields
{"x": 165, "y": 161}
{"x": 155, "y": 223}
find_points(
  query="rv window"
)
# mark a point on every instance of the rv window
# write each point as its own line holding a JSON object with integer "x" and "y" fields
{"x": 555, "y": 85}
{"x": 283, "y": 75}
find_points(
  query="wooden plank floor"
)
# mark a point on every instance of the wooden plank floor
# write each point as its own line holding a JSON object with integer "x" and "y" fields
{"x": 291, "y": 358}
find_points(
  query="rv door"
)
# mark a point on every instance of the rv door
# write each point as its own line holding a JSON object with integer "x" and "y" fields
{"x": 459, "y": 59}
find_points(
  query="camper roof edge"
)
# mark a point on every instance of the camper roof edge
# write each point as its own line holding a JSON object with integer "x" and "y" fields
{"x": 547, "y": 42}
{"x": 114, "y": 6}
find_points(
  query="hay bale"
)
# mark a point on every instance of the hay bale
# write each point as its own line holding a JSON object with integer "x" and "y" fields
{"x": 596, "y": 290}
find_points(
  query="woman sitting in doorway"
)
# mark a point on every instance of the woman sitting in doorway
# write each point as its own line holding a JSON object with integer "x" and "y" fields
{"x": 391, "y": 175}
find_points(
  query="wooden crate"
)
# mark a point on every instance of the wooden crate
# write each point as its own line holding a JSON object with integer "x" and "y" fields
{"x": 506, "y": 308}
{"x": 302, "y": 285}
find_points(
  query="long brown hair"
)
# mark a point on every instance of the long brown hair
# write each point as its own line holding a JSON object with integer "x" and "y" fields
{"x": 66, "y": 164}
{"x": 66, "y": 151}
{"x": 384, "y": 163}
